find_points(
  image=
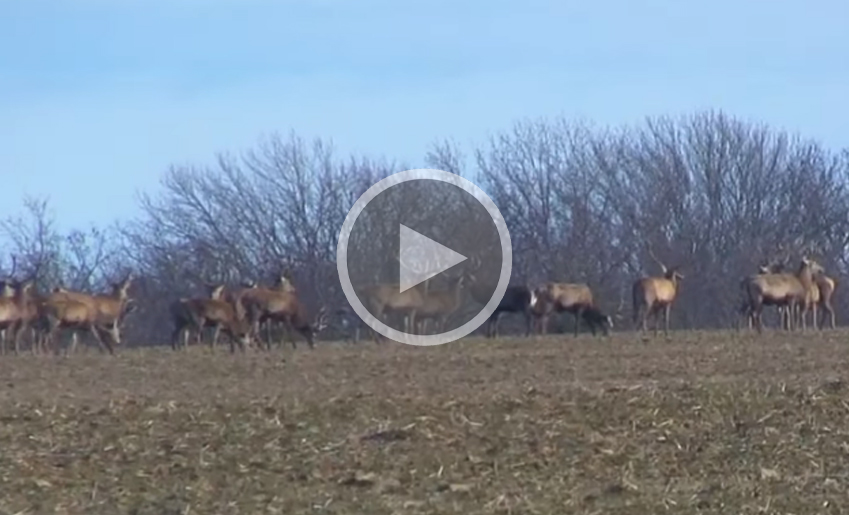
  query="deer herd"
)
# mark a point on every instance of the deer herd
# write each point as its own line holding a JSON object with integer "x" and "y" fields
{"x": 239, "y": 312}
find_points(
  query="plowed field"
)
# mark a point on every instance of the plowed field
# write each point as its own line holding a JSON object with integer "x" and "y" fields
{"x": 702, "y": 422}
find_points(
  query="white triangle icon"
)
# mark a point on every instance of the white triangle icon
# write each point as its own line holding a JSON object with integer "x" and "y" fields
{"x": 422, "y": 258}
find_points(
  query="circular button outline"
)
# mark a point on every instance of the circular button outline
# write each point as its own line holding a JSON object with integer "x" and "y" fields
{"x": 342, "y": 257}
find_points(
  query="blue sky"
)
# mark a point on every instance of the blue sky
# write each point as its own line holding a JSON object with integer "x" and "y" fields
{"x": 98, "y": 97}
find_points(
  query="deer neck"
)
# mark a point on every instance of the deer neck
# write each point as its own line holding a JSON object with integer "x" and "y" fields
{"x": 806, "y": 276}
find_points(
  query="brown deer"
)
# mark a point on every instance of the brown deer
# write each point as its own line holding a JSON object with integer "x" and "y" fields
{"x": 382, "y": 299}
{"x": 108, "y": 309}
{"x": 650, "y": 295}
{"x": 439, "y": 305}
{"x": 33, "y": 306}
{"x": 775, "y": 288}
{"x": 13, "y": 319}
{"x": 576, "y": 299}
{"x": 773, "y": 267}
{"x": 283, "y": 283}
{"x": 192, "y": 315}
{"x": 281, "y": 305}
{"x": 63, "y": 312}
{"x": 826, "y": 286}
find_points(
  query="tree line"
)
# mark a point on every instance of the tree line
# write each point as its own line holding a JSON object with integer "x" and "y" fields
{"x": 707, "y": 191}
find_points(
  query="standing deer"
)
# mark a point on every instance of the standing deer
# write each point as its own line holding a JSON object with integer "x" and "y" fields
{"x": 63, "y": 312}
{"x": 516, "y": 299}
{"x": 781, "y": 304}
{"x": 439, "y": 305}
{"x": 107, "y": 309}
{"x": 13, "y": 320}
{"x": 826, "y": 286}
{"x": 650, "y": 295}
{"x": 763, "y": 289}
{"x": 192, "y": 315}
{"x": 383, "y": 299}
{"x": 576, "y": 299}
{"x": 265, "y": 304}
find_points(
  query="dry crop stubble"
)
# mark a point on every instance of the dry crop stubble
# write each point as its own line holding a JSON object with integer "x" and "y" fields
{"x": 704, "y": 422}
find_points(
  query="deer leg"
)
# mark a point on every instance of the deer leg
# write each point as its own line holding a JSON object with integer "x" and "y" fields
{"x": 578, "y": 315}
{"x": 641, "y": 316}
{"x": 100, "y": 340}
{"x": 830, "y": 309}
{"x": 51, "y": 337}
{"x": 74, "y": 340}
{"x": 789, "y": 314}
{"x": 290, "y": 334}
{"x": 233, "y": 341}
{"x": 19, "y": 336}
{"x": 306, "y": 332}
{"x": 268, "y": 324}
{"x": 175, "y": 337}
{"x": 492, "y": 328}
{"x": 216, "y": 333}
{"x": 656, "y": 319}
{"x": 413, "y": 318}
{"x": 814, "y": 320}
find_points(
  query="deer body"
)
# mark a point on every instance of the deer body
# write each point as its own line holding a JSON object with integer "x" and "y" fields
{"x": 264, "y": 304}
{"x": 778, "y": 288}
{"x": 439, "y": 305}
{"x": 826, "y": 287}
{"x": 576, "y": 299}
{"x": 105, "y": 310}
{"x": 13, "y": 313}
{"x": 650, "y": 295}
{"x": 385, "y": 298}
{"x": 195, "y": 314}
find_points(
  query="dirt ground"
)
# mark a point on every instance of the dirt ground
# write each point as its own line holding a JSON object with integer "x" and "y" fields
{"x": 705, "y": 422}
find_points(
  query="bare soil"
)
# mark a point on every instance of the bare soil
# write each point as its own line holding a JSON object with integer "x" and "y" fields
{"x": 704, "y": 422}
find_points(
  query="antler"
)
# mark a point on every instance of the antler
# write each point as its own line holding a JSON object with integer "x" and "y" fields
{"x": 659, "y": 262}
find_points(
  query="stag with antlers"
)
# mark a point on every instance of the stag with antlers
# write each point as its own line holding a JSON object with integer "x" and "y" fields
{"x": 651, "y": 295}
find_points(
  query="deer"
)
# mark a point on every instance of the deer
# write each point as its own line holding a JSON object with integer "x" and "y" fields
{"x": 516, "y": 299}
{"x": 439, "y": 305}
{"x": 576, "y": 299}
{"x": 650, "y": 295}
{"x": 745, "y": 309}
{"x": 59, "y": 311}
{"x": 281, "y": 304}
{"x": 32, "y": 307}
{"x": 384, "y": 298}
{"x": 775, "y": 288}
{"x": 108, "y": 309}
{"x": 826, "y": 287}
{"x": 283, "y": 283}
{"x": 194, "y": 314}
{"x": 13, "y": 319}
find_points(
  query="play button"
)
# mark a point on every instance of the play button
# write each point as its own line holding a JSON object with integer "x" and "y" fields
{"x": 424, "y": 257}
